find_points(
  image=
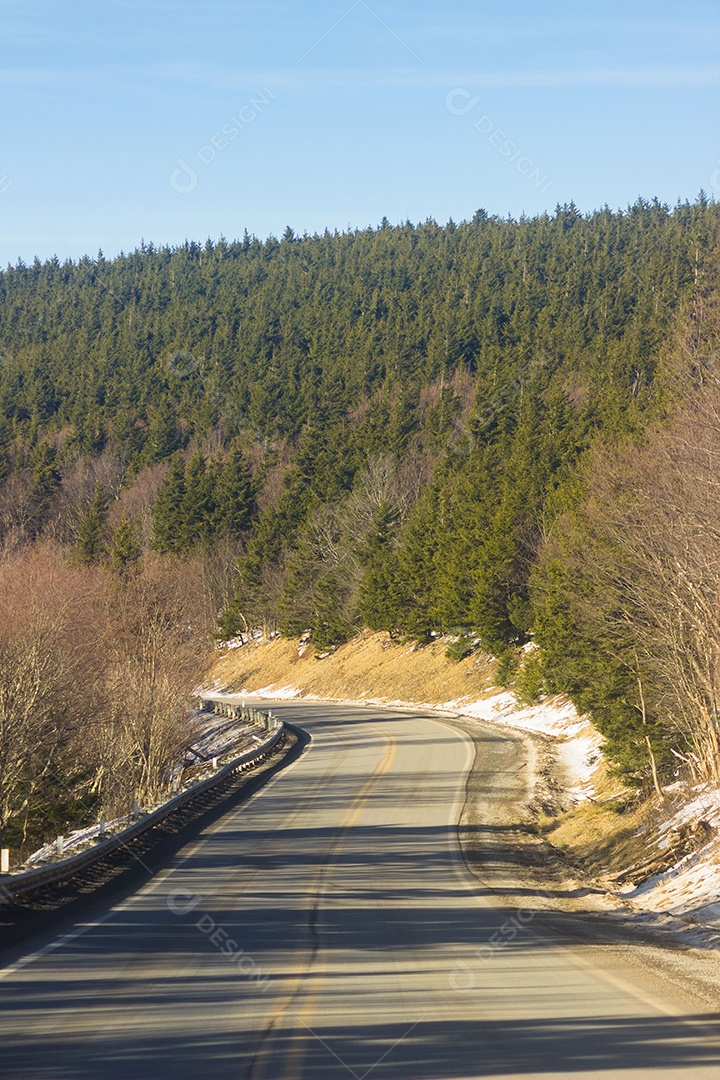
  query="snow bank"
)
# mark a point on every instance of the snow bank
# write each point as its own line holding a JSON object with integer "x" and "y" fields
{"x": 556, "y": 717}
{"x": 215, "y": 739}
{"x": 278, "y": 693}
{"x": 578, "y": 750}
{"x": 691, "y": 887}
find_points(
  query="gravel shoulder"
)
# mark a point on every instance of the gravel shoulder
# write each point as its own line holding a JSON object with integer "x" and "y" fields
{"x": 524, "y": 873}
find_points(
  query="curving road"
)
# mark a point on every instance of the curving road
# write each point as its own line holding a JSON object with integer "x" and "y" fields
{"x": 329, "y": 928}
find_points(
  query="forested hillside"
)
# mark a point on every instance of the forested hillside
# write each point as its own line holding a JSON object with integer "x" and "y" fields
{"x": 422, "y": 429}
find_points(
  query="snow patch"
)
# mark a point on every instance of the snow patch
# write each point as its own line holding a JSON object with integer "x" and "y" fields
{"x": 579, "y": 744}
{"x": 690, "y": 888}
{"x": 556, "y": 717}
{"x": 279, "y": 693}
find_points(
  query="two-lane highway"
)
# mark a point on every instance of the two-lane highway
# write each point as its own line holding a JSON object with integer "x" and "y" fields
{"x": 329, "y": 928}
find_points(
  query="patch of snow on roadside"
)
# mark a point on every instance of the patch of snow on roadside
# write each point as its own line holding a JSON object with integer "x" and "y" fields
{"x": 578, "y": 749}
{"x": 556, "y": 717}
{"x": 232, "y": 644}
{"x": 692, "y": 886}
{"x": 207, "y": 689}
{"x": 704, "y": 806}
{"x": 216, "y": 736}
{"x": 279, "y": 693}
{"x": 579, "y": 757}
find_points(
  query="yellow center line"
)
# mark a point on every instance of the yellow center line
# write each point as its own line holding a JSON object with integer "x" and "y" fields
{"x": 297, "y": 1053}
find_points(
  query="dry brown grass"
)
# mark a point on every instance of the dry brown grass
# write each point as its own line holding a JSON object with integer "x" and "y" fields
{"x": 609, "y": 834}
{"x": 371, "y": 667}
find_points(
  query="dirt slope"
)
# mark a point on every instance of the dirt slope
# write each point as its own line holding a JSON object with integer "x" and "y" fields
{"x": 371, "y": 667}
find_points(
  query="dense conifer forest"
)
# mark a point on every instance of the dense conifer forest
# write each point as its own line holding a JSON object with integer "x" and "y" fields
{"x": 501, "y": 430}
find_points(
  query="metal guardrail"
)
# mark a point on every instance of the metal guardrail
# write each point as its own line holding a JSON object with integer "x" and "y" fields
{"x": 265, "y": 720}
{"x": 15, "y": 885}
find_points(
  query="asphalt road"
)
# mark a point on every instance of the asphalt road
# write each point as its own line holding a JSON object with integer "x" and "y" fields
{"x": 329, "y": 928}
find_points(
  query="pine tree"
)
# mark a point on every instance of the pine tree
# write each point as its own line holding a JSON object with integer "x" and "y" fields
{"x": 332, "y": 618}
{"x": 169, "y": 533}
{"x": 45, "y": 473}
{"x": 163, "y": 437}
{"x": 234, "y": 495}
{"x": 198, "y": 502}
{"x": 46, "y": 481}
{"x": 377, "y": 603}
{"x": 416, "y": 566}
{"x": 125, "y": 548}
{"x": 88, "y": 546}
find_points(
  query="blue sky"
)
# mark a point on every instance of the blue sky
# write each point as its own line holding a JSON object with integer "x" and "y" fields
{"x": 167, "y": 119}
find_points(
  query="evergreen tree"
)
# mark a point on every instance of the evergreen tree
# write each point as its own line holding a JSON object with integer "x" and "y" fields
{"x": 377, "y": 601}
{"x": 234, "y": 495}
{"x": 88, "y": 545}
{"x": 45, "y": 473}
{"x": 46, "y": 481}
{"x": 169, "y": 530}
{"x": 125, "y": 548}
{"x": 163, "y": 436}
{"x": 332, "y": 621}
{"x": 416, "y": 566}
{"x": 197, "y": 507}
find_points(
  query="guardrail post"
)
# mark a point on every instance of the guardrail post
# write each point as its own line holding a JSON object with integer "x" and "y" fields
{"x": 136, "y": 809}
{"x": 102, "y": 826}
{"x": 214, "y": 764}
{"x": 5, "y": 860}
{"x": 60, "y": 844}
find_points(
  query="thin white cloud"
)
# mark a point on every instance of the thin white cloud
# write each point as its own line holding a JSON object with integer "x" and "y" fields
{"x": 291, "y": 78}
{"x": 533, "y": 29}
{"x": 36, "y": 77}
{"x": 657, "y": 76}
